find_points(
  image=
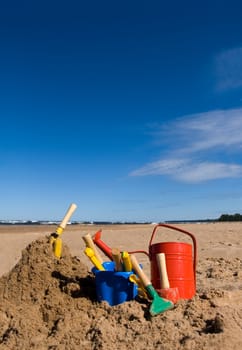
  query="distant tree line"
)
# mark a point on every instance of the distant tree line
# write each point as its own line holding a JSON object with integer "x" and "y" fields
{"x": 230, "y": 217}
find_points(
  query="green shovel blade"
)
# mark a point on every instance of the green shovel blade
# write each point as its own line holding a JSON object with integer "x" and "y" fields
{"x": 158, "y": 304}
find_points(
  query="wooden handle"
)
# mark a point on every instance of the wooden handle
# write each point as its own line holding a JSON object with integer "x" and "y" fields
{"x": 69, "y": 213}
{"x": 144, "y": 279}
{"x": 116, "y": 255}
{"x": 90, "y": 244}
{"x": 161, "y": 262}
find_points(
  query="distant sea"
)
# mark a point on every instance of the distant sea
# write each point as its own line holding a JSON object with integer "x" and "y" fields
{"x": 56, "y": 222}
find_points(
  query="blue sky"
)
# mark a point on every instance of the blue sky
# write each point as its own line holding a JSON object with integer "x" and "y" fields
{"x": 132, "y": 109}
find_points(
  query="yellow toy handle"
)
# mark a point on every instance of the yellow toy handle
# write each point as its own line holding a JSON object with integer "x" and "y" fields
{"x": 57, "y": 247}
{"x": 90, "y": 244}
{"x": 90, "y": 253}
{"x": 126, "y": 261}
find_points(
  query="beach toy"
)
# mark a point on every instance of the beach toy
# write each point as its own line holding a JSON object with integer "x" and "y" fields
{"x": 91, "y": 255}
{"x": 103, "y": 246}
{"x": 116, "y": 255}
{"x": 89, "y": 243}
{"x": 126, "y": 261}
{"x": 180, "y": 262}
{"x": 112, "y": 286}
{"x": 141, "y": 289}
{"x": 166, "y": 292}
{"x": 158, "y": 304}
{"x": 55, "y": 239}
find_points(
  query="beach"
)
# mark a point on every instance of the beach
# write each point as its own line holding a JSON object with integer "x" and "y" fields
{"x": 37, "y": 313}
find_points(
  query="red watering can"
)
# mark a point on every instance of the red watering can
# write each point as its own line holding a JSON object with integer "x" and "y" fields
{"x": 180, "y": 262}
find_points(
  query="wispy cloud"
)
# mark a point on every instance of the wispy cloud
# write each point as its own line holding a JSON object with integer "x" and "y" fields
{"x": 215, "y": 129}
{"x": 228, "y": 66}
{"x": 201, "y": 141}
{"x": 204, "y": 171}
{"x": 189, "y": 171}
{"x": 161, "y": 167}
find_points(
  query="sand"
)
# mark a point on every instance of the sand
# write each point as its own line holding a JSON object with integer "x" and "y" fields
{"x": 51, "y": 304}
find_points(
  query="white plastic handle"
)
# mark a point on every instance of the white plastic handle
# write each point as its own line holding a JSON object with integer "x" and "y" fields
{"x": 161, "y": 262}
{"x": 68, "y": 215}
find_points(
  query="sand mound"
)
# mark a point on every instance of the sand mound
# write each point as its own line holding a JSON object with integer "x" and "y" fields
{"x": 50, "y": 304}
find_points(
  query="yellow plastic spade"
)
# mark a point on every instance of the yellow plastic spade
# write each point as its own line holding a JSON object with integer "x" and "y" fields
{"x": 55, "y": 239}
{"x": 90, "y": 253}
{"x": 58, "y": 247}
{"x": 90, "y": 244}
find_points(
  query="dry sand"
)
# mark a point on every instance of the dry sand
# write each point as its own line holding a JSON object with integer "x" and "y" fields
{"x": 50, "y": 304}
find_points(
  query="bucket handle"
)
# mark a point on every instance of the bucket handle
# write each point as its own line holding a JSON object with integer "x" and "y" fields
{"x": 140, "y": 251}
{"x": 185, "y": 232}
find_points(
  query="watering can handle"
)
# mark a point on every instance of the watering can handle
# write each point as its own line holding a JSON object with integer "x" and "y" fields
{"x": 185, "y": 232}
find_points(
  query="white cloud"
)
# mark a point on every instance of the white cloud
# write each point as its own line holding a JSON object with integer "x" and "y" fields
{"x": 209, "y": 171}
{"x": 190, "y": 171}
{"x": 228, "y": 66}
{"x": 199, "y": 141}
{"x": 203, "y": 131}
{"x": 161, "y": 167}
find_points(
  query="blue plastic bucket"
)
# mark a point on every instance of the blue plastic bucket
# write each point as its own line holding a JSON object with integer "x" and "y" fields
{"x": 112, "y": 286}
